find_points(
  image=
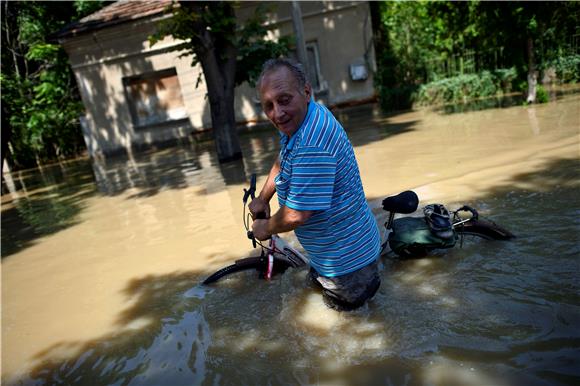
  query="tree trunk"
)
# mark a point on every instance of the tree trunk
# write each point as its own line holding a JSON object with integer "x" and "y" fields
{"x": 298, "y": 28}
{"x": 532, "y": 73}
{"x": 220, "y": 89}
{"x": 6, "y": 134}
{"x": 218, "y": 60}
{"x": 221, "y": 100}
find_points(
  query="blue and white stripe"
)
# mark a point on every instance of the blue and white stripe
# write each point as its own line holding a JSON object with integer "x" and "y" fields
{"x": 319, "y": 173}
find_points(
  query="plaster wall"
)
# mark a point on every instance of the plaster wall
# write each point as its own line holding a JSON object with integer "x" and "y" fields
{"x": 101, "y": 59}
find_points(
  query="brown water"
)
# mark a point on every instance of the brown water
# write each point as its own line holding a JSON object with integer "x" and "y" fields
{"x": 101, "y": 265}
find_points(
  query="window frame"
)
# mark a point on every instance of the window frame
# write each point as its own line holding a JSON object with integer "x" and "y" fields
{"x": 130, "y": 80}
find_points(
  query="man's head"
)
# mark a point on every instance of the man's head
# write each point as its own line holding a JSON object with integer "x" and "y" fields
{"x": 284, "y": 94}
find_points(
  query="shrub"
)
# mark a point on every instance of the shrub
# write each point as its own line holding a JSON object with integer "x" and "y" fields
{"x": 459, "y": 88}
{"x": 541, "y": 95}
{"x": 567, "y": 68}
{"x": 505, "y": 77}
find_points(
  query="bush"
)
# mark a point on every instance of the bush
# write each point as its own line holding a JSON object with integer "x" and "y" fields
{"x": 459, "y": 88}
{"x": 541, "y": 95}
{"x": 567, "y": 68}
{"x": 506, "y": 77}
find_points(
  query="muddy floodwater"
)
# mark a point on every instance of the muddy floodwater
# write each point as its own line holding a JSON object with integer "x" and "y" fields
{"x": 102, "y": 264}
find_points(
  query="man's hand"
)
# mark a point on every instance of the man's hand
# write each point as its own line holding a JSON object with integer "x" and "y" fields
{"x": 259, "y": 205}
{"x": 260, "y": 230}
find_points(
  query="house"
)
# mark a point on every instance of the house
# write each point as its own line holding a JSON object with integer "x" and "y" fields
{"x": 137, "y": 95}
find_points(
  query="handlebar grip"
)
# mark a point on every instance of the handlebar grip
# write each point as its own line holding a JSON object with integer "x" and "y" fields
{"x": 466, "y": 208}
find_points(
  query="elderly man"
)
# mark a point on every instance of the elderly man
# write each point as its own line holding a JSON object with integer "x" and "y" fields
{"x": 317, "y": 181}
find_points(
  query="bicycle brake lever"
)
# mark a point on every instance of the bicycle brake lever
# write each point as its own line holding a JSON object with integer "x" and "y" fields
{"x": 251, "y": 191}
{"x": 251, "y": 237}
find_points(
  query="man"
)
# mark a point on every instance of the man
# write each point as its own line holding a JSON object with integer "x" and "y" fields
{"x": 317, "y": 181}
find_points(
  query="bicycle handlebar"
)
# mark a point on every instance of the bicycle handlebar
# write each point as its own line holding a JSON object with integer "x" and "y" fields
{"x": 466, "y": 208}
{"x": 251, "y": 192}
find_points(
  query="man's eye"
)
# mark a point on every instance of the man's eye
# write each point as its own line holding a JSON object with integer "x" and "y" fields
{"x": 284, "y": 101}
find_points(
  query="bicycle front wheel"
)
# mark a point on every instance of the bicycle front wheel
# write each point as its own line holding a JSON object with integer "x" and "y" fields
{"x": 238, "y": 266}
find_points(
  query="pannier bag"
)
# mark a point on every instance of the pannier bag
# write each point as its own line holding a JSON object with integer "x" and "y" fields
{"x": 416, "y": 236}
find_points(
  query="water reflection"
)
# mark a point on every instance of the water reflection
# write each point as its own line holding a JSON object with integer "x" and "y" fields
{"x": 503, "y": 101}
{"x": 189, "y": 165}
{"x": 161, "y": 339}
{"x": 112, "y": 295}
{"x": 42, "y": 202}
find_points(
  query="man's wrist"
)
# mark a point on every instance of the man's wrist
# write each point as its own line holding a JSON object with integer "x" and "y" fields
{"x": 265, "y": 196}
{"x": 269, "y": 229}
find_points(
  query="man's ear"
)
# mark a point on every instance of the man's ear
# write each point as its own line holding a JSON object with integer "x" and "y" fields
{"x": 308, "y": 91}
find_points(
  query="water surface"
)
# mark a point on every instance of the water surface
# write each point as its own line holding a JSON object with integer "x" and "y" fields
{"x": 101, "y": 265}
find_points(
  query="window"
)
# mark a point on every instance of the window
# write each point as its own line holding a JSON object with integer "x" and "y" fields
{"x": 155, "y": 98}
{"x": 314, "y": 63}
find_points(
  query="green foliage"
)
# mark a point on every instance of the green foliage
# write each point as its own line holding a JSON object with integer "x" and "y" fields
{"x": 567, "y": 68}
{"x": 541, "y": 95}
{"x": 193, "y": 24}
{"x": 522, "y": 86}
{"x": 431, "y": 41}
{"x": 39, "y": 96}
{"x": 504, "y": 78}
{"x": 460, "y": 89}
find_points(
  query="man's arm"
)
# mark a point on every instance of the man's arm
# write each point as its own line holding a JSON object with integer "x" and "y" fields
{"x": 284, "y": 220}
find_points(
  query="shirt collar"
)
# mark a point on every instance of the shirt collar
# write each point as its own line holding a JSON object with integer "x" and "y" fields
{"x": 288, "y": 142}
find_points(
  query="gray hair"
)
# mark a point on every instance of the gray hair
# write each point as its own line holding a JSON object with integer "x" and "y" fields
{"x": 295, "y": 67}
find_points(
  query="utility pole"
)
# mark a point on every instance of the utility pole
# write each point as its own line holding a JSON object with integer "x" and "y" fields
{"x": 299, "y": 32}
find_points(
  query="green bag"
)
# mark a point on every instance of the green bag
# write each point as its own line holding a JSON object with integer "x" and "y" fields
{"x": 412, "y": 237}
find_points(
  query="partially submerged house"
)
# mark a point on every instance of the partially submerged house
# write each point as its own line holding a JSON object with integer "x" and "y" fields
{"x": 136, "y": 95}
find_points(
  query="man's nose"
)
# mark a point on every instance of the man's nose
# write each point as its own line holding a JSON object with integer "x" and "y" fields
{"x": 278, "y": 112}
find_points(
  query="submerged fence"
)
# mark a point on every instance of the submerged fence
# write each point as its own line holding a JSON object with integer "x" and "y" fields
{"x": 466, "y": 62}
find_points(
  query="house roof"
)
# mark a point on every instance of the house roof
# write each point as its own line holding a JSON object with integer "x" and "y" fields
{"x": 119, "y": 12}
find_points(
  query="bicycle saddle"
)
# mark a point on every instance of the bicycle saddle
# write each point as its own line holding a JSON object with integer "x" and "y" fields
{"x": 405, "y": 202}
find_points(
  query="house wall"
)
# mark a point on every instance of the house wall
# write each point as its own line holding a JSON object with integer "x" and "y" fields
{"x": 343, "y": 33}
{"x": 102, "y": 58}
{"x": 100, "y": 61}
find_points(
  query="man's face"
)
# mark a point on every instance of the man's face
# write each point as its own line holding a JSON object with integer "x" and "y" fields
{"x": 282, "y": 100}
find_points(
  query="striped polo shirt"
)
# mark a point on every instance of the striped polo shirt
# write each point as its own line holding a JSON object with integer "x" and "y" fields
{"x": 319, "y": 172}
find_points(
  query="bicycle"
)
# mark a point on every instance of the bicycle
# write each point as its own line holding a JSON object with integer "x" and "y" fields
{"x": 409, "y": 237}
{"x": 275, "y": 258}
{"x": 412, "y": 237}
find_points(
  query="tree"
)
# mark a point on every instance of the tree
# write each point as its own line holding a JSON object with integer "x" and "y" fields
{"x": 229, "y": 54}
{"x": 525, "y": 36}
{"x": 40, "y": 102}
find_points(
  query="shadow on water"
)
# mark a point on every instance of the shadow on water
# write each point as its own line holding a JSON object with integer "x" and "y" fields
{"x": 521, "y": 318}
{"x": 166, "y": 338}
{"x": 367, "y": 123}
{"x": 44, "y": 202}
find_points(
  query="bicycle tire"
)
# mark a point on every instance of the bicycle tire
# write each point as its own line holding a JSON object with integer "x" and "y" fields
{"x": 485, "y": 229}
{"x": 238, "y": 266}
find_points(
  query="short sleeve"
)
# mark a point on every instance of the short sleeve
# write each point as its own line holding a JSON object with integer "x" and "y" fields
{"x": 312, "y": 180}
